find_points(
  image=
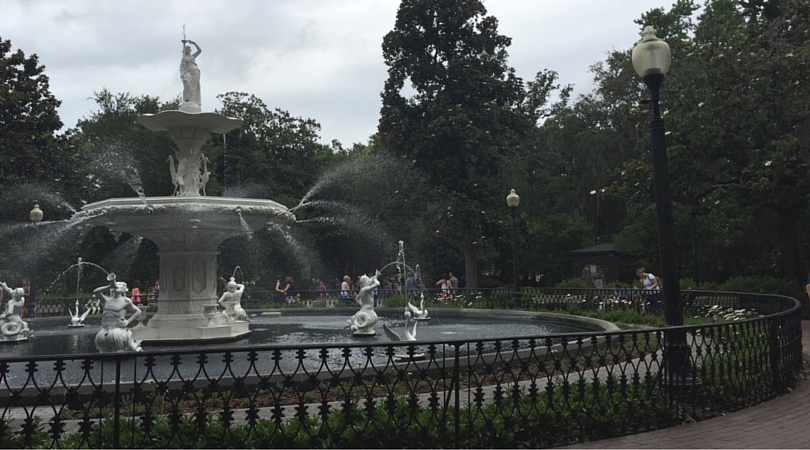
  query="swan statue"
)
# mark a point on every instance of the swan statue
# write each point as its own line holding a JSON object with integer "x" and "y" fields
{"x": 77, "y": 320}
{"x": 419, "y": 313}
{"x": 410, "y": 335}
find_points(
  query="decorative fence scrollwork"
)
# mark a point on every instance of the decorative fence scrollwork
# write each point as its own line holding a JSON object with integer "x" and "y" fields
{"x": 521, "y": 391}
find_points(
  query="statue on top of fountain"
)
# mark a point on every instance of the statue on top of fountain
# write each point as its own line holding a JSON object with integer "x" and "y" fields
{"x": 12, "y": 327}
{"x": 231, "y": 300}
{"x": 114, "y": 335}
{"x": 190, "y": 76}
{"x": 363, "y": 321}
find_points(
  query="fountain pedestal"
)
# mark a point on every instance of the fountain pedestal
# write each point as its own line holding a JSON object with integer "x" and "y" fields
{"x": 187, "y": 232}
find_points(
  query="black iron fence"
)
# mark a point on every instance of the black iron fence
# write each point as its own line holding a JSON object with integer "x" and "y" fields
{"x": 515, "y": 392}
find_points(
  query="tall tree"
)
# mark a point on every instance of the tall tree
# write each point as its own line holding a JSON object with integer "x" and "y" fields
{"x": 28, "y": 117}
{"x": 466, "y": 113}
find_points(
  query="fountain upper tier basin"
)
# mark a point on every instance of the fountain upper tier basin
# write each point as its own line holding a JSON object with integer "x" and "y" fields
{"x": 172, "y": 120}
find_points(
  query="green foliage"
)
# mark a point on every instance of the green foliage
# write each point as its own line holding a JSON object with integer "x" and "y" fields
{"x": 272, "y": 155}
{"x": 28, "y": 119}
{"x": 468, "y": 103}
{"x": 571, "y": 283}
{"x": 395, "y": 302}
{"x": 759, "y": 285}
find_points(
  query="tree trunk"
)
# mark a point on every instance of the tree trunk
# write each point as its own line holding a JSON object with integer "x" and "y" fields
{"x": 789, "y": 243}
{"x": 471, "y": 265}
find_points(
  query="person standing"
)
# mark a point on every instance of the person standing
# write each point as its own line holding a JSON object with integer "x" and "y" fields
{"x": 221, "y": 286}
{"x": 289, "y": 291}
{"x": 157, "y": 290}
{"x": 651, "y": 288}
{"x": 444, "y": 284}
{"x": 453, "y": 285}
{"x": 30, "y": 308}
{"x": 345, "y": 289}
{"x": 135, "y": 293}
{"x": 410, "y": 287}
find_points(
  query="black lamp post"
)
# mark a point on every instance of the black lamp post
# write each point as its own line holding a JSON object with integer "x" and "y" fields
{"x": 651, "y": 60}
{"x": 513, "y": 201}
{"x": 35, "y": 215}
{"x": 692, "y": 209}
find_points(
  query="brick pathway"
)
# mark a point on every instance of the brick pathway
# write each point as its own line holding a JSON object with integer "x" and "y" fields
{"x": 783, "y": 422}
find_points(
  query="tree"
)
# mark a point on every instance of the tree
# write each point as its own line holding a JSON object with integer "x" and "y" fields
{"x": 736, "y": 104}
{"x": 28, "y": 117}
{"x": 467, "y": 113}
{"x": 127, "y": 158}
{"x": 273, "y": 153}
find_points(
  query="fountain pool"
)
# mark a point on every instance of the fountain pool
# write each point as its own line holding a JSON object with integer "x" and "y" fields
{"x": 285, "y": 342}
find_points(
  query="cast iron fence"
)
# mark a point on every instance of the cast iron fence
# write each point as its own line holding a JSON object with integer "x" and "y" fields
{"x": 521, "y": 391}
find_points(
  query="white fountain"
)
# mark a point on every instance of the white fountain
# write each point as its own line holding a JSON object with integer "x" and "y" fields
{"x": 188, "y": 226}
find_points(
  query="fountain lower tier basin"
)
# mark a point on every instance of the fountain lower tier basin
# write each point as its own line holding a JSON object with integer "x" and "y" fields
{"x": 186, "y": 222}
{"x": 187, "y": 232}
{"x": 295, "y": 340}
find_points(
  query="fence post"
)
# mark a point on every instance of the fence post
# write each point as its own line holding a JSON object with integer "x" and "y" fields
{"x": 117, "y": 406}
{"x": 773, "y": 331}
{"x": 457, "y": 393}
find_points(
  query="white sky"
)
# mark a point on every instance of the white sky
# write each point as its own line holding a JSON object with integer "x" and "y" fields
{"x": 317, "y": 59}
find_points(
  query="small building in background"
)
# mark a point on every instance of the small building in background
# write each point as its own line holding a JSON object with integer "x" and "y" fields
{"x": 597, "y": 265}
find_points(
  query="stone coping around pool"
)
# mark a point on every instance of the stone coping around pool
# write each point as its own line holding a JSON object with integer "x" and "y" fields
{"x": 568, "y": 319}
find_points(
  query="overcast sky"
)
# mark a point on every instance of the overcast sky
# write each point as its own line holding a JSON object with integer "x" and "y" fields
{"x": 320, "y": 59}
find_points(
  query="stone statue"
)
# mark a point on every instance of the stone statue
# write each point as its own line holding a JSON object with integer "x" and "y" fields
{"x": 231, "y": 300}
{"x": 190, "y": 75}
{"x": 419, "y": 313}
{"x": 76, "y": 320}
{"x": 363, "y": 321}
{"x": 12, "y": 327}
{"x": 114, "y": 336}
{"x": 188, "y": 175}
{"x": 410, "y": 335}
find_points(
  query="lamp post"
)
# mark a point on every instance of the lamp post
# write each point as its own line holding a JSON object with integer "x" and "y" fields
{"x": 35, "y": 215}
{"x": 651, "y": 60}
{"x": 692, "y": 209}
{"x": 513, "y": 201}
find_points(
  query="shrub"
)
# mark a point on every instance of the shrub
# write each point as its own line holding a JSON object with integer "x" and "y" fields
{"x": 757, "y": 285}
{"x": 571, "y": 283}
{"x": 395, "y": 302}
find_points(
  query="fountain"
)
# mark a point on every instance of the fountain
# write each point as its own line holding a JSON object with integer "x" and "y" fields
{"x": 188, "y": 226}
{"x": 12, "y": 327}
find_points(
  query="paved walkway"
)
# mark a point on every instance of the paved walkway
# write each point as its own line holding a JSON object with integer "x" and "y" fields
{"x": 783, "y": 422}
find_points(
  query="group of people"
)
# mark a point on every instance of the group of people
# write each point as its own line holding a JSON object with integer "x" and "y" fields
{"x": 148, "y": 296}
{"x": 448, "y": 286}
{"x": 641, "y": 300}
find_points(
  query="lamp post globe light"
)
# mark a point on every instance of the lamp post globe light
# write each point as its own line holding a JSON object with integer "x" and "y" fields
{"x": 35, "y": 215}
{"x": 651, "y": 59}
{"x": 513, "y": 201}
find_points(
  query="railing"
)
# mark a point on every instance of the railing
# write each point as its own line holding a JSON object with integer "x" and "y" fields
{"x": 521, "y": 391}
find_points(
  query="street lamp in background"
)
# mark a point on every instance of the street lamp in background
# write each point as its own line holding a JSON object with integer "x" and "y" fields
{"x": 651, "y": 60}
{"x": 513, "y": 201}
{"x": 36, "y": 217}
